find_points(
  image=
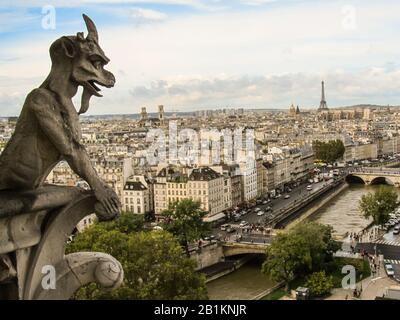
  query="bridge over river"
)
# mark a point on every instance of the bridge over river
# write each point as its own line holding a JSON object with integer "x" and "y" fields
{"x": 257, "y": 242}
{"x": 252, "y": 243}
{"x": 369, "y": 175}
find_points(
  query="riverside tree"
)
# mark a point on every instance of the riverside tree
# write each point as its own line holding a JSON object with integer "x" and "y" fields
{"x": 306, "y": 248}
{"x": 319, "y": 241}
{"x": 288, "y": 252}
{"x": 153, "y": 262}
{"x": 379, "y": 205}
{"x": 184, "y": 219}
{"x": 329, "y": 151}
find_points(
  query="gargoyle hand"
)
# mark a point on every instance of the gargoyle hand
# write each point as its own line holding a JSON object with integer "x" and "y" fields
{"x": 108, "y": 206}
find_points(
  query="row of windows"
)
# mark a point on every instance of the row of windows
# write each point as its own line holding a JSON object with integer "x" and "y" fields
{"x": 132, "y": 209}
{"x": 132, "y": 193}
{"x": 130, "y": 200}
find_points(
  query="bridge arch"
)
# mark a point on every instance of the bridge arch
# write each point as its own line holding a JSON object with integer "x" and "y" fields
{"x": 382, "y": 180}
{"x": 354, "y": 179}
{"x": 235, "y": 249}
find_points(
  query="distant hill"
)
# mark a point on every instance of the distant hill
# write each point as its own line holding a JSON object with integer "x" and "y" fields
{"x": 364, "y": 106}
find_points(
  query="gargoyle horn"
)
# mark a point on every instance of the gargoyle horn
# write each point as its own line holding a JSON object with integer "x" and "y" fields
{"x": 94, "y": 36}
{"x": 91, "y": 27}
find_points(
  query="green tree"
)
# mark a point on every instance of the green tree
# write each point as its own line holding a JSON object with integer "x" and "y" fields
{"x": 329, "y": 151}
{"x": 184, "y": 219}
{"x": 319, "y": 284}
{"x": 153, "y": 263}
{"x": 305, "y": 248}
{"x": 287, "y": 253}
{"x": 379, "y": 205}
{"x": 319, "y": 241}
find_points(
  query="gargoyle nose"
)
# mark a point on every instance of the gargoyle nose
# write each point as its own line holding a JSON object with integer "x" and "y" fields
{"x": 112, "y": 79}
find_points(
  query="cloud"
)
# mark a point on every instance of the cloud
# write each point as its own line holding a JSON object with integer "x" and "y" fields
{"x": 256, "y": 2}
{"x": 11, "y": 20}
{"x": 147, "y": 14}
{"x": 373, "y": 85}
{"x": 265, "y": 57}
{"x": 198, "y": 4}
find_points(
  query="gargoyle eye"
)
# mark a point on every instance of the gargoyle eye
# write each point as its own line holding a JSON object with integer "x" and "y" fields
{"x": 97, "y": 64}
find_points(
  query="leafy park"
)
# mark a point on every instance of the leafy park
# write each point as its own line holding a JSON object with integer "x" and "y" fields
{"x": 153, "y": 261}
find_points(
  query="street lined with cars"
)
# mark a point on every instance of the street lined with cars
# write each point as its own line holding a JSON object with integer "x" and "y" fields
{"x": 255, "y": 217}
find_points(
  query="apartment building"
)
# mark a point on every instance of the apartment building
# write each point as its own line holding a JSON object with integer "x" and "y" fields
{"x": 248, "y": 171}
{"x": 200, "y": 184}
{"x": 138, "y": 195}
{"x": 260, "y": 177}
{"x": 207, "y": 186}
{"x": 358, "y": 152}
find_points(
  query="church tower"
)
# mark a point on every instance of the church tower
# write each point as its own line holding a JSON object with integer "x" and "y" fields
{"x": 143, "y": 114}
{"x": 161, "y": 115}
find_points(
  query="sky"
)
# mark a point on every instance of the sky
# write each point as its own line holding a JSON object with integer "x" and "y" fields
{"x": 205, "y": 54}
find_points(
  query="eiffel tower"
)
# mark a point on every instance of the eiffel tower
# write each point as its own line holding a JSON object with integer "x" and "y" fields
{"x": 323, "y": 105}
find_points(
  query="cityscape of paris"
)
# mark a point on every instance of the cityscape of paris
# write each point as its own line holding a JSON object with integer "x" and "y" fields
{"x": 210, "y": 156}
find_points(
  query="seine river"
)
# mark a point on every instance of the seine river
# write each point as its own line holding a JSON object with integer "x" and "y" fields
{"x": 341, "y": 213}
{"x": 244, "y": 283}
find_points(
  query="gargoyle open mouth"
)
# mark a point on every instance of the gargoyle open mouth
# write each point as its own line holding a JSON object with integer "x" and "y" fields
{"x": 94, "y": 88}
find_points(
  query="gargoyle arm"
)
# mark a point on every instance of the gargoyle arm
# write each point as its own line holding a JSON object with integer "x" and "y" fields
{"x": 72, "y": 151}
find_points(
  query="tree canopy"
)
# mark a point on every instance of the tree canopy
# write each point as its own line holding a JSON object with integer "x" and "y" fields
{"x": 184, "y": 219}
{"x": 299, "y": 251}
{"x": 287, "y": 253}
{"x": 153, "y": 262}
{"x": 319, "y": 284}
{"x": 379, "y": 205}
{"x": 329, "y": 151}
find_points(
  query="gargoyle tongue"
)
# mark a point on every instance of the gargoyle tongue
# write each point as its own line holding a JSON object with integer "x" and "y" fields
{"x": 86, "y": 95}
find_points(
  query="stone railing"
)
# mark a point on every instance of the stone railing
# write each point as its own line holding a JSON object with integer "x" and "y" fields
{"x": 34, "y": 229}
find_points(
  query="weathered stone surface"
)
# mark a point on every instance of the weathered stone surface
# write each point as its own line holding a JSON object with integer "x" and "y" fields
{"x": 48, "y": 128}
{"x": 37, "y": 219}
{"x": 44, "y": 198}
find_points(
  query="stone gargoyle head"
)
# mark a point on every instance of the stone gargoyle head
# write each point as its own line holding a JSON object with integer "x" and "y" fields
{"x": 84, "y": 60}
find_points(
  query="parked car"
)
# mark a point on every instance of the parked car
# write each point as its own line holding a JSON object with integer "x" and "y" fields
{"x": 396, "y": 230}
{"x": 287, "y": 196}
{"x": 243, "y": 224}
{"x": 260, "y": 213}
{"x": 389, "y": 269}
{"x": 309, "y": 188}
{"x": 230, "y": 229}
{"x": 224, "y": 227}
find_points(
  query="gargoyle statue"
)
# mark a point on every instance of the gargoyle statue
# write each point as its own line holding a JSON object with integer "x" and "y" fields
{"x": 48, "y": 128}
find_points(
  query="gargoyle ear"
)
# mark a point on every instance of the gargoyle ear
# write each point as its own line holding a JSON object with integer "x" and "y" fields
{"x": 69, "y": 47}
{"x": 80, "y": 36}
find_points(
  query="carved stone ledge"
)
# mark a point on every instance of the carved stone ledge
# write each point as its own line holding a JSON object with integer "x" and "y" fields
{"x": 36, "y": 238}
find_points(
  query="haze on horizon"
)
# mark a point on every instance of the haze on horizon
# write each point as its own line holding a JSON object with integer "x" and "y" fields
{"x": 202, "y": 54}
